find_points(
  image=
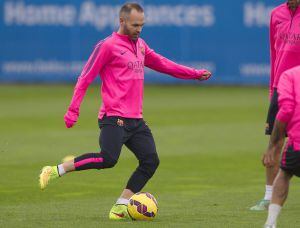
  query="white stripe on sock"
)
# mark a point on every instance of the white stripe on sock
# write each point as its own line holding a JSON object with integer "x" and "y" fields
{"x": 122, "y": 201}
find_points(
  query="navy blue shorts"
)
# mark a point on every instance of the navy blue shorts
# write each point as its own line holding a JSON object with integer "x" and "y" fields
{"x": 133, "y": 133}
{"x": 290, "y": 161}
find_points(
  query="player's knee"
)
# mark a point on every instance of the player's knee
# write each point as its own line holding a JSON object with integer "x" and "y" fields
{"x": 155, "y": 163}
{"x": 150, "y": 165}
{"x": 108, "y": 161}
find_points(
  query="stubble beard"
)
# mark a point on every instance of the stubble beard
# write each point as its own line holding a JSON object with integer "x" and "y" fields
{"x": 127, "y": 32}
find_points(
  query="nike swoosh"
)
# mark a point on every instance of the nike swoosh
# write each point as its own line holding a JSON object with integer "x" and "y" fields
{"x": 119, "y": 215}
{"x": 123, "y": 52}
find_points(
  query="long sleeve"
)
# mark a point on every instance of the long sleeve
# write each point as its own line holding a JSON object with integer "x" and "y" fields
{"x": 163, "y": 65}
{"x": 272, "y": 55}
{"x": 94, "y": 65}
{"x": 286, "y": 100}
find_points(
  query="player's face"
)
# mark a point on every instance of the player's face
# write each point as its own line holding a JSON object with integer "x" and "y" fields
{"x": 133, "y": 24}
{"x": 293, "y": 4}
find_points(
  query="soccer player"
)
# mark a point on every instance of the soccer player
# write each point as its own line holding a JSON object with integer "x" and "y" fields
{"x": 285, "y": 54}
{"x": 120, "y": 61}
{"x": 287, "y": 120}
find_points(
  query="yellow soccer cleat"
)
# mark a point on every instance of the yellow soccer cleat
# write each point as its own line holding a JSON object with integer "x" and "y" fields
{"x": 48, "y": 173}
{"x": 119, "y": 212}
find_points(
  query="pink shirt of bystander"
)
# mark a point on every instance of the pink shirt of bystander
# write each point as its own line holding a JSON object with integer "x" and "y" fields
{"x": 284, "y": 42}
{"x": 289, "y": 104}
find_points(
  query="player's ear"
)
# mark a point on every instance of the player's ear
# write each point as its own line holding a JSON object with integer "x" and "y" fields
{"x": 122, "y": 21}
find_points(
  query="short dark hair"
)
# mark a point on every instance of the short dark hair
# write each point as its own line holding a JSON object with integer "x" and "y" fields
{"x": 127, "y": 7}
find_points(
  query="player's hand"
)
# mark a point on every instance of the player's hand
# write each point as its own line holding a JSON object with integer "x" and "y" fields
{"x": 204, "y": 76}
{"x": 268, "y": 158}
{"x": 70, "y": 118}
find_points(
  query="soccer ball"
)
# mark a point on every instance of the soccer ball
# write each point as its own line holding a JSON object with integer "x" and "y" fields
{"x": 142, "y": 206}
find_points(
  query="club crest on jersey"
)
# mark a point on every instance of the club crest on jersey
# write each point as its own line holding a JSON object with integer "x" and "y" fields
{"x": 120, "y": 122}
{"x": 142, "y": 49}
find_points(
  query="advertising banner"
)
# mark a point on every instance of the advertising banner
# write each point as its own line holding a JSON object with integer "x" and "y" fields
{"x": 50, "y": 41}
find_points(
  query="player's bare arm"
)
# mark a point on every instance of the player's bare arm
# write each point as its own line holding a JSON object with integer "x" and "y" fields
{"x": 275, "y": 144}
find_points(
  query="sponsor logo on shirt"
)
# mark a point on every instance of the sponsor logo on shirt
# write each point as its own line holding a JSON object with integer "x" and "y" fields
{"x": 136, "y": 66}
{"x": 290, "y": 38}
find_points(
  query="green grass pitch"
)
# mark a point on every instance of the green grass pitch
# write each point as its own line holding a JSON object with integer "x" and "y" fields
{"x": 210, "y": 140}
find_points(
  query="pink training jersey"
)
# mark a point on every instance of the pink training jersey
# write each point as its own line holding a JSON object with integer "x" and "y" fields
{"x": 289, "y": 104}
{"x": 120, "y": 62}
{"x": 284, "y": 42}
